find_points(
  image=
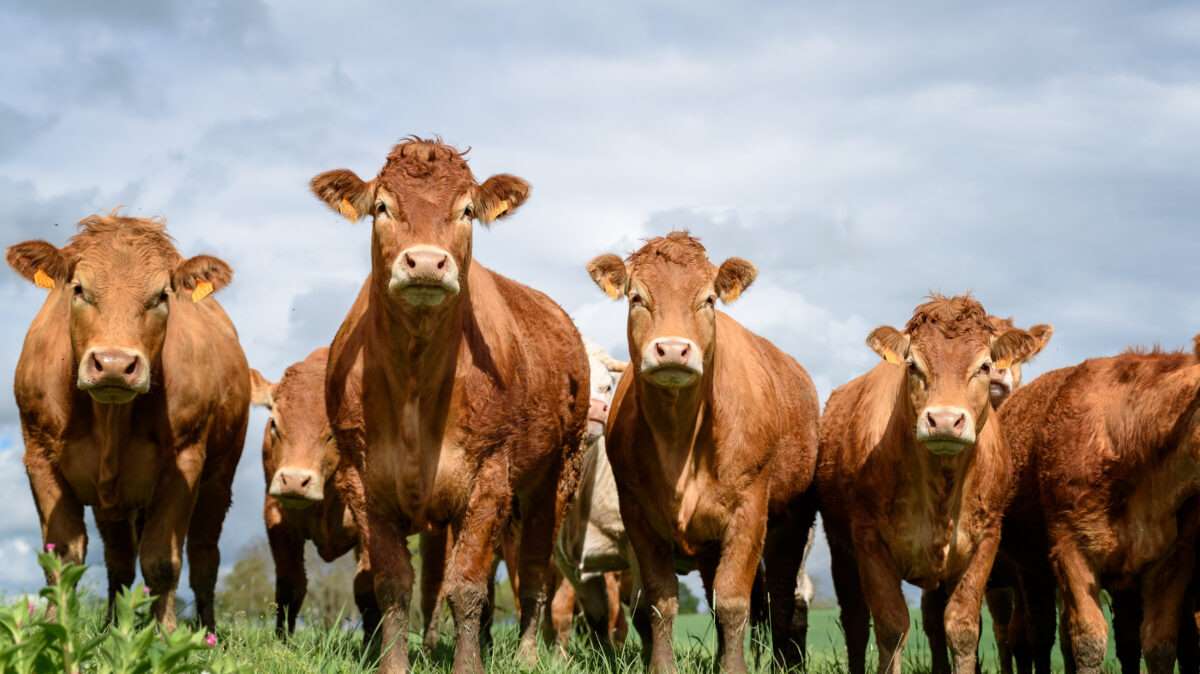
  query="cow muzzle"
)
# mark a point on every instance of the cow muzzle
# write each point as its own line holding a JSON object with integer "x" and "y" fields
{"x": 113, "y": 376}
{"x": 946, "y": 430}
{"x": 297, "y": 487}
{"x": 597, "y": 418}
{"x": 424, "y": 276}
{"x": 672, "y": 362}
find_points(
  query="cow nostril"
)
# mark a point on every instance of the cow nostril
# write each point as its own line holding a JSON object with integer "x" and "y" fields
{"x": 932, "y": 421}
{"x": 960, "y": 421}
{"x": 408, "y": 260}
{"x": 132, "y": 366}
{"x": 305, "y": 481}
{"x": 97, "y": 365}
{"x": 283, "y": 480}
{"x": 442, "y": 263}
{"x": 661, "y": 351}
{"x": 683, "y": 353}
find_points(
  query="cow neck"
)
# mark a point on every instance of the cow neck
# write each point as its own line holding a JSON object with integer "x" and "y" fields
{"x": 420, "y": 355}
{"x": 675, "y": 416}
{"x": 111, "y": 432}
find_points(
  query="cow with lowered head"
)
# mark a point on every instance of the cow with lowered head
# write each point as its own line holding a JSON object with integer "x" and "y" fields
{"x": 134, "y": 394}
{"x": 300, "y": 460}
{"x": 712, "y": 439}
{"x": 458, "y": 396}
{"x": 914, "y": 477}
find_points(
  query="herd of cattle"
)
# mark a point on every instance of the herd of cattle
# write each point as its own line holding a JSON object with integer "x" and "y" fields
{"x": 462, "y": 406}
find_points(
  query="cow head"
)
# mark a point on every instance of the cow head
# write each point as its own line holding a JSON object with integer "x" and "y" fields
{"x": 1006, "y": 377}
{"x": 672, "y": 290}
{"x": 949, "y": 350}
{"x": 298, "y": 440}
{"x": 605, "y": 372}
{"x": 123, "y": 278}
{"x": 423, "y": 205}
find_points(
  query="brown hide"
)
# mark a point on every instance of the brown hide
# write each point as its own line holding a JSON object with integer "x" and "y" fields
{"x": 714, "y": 453}
{"x": 898, "y": 509}
{"x": 1110, "y": 448}
{"x": 454, "y": 392}
{"x": 297, "y": 437}
{"x": 151, "y": 443}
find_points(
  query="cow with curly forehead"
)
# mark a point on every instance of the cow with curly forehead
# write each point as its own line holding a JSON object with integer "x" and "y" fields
{"x": 914, "y": 477}
{"x": 712, "y": 440}
{"x": 134, "y": 394}
{"x": 460, "y": 397}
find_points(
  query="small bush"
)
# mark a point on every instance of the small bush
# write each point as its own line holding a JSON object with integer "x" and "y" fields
{"x": 61, "y": 636}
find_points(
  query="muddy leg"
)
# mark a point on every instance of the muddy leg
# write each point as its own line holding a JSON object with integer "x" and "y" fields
{"x": 1164, "y": 587}
{"x": 391, "y": 569}
{"x": 538, "y": 527}
{"x": 965, "y": 604}
{"x": 1085, "y": 623}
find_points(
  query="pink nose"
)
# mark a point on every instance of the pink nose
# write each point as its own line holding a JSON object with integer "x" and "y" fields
{"x": 672, "y": 351}
{"x": 952, "y": 423}
{"x": 598, "y": 410}
{"x": 114, "y": 367}
{"x": 426, "y": 263}
{"x": 297, "y": 485}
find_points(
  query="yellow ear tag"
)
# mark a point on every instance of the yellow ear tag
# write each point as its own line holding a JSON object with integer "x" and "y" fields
{"x": 891, "y": 357}
{"x": 500, "y": 209}
{"x": 42, "y": 280}
{"x": 348, "y": 210}
{"x": 609, "y": 289}
{"x": 203, "y": 289}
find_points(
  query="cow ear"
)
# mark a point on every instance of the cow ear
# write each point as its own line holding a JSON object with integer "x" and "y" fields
{"x": 498, "y": 197}
{"x": 733, "y": 278}
{"x": 1042, "y": 332}
{"x": 344, "y": 192}
{"x": 889, "y": 343}
{"x": 608, "y": 272}
{"x": 1014, "y": 346}
{"x": 39, "y": 262}
{"x": 262, "y": 392}
{"x": 201, "y": 276}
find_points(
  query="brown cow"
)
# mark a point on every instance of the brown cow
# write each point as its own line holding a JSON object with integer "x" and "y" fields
{"x": 1002, "y": 601}
{"x": 914, "y": 477}
{"x": 134, "y": 395}
{"x": 302, "y": 504}
{"x": 1113, "y": 444}
{"x": 459, "y": 395}
{"x": 712, "y": 439}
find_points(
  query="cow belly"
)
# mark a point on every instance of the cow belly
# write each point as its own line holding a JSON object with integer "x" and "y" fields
{"x": 136, "y": 476}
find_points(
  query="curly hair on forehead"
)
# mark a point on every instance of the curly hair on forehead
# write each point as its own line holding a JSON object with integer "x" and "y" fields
{"x": 951, "y": 316}
{"x": 103, "y": 231}
{"x": 677, "y": 247}
{"x": 416, "y": 157}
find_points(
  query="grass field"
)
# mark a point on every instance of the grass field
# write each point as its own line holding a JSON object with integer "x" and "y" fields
{"x": 254, "y": 646}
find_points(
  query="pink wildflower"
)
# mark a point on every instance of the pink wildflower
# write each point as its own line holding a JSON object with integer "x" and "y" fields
{"x": 211, "y": 640}
{"x": 49, "y": 547}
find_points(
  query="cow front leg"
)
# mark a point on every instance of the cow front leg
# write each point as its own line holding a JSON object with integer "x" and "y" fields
{"x": 933, "y": 620}
{"x": 1164, "y": 588}
{"x": 659, "y": 599}
{"x": 965, "y": 604}
{"x": 1087, "y": 629}
{"x": 880, "y": 584}
{"x": 733, "y": 582}
{"x": 167, "y": 520}
{"x": 392, "y": 571}
{"x": 60, "y": 513}
{"x": 470, "y": 567}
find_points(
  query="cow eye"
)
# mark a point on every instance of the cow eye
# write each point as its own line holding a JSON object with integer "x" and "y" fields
{"x": 78, "y": 288}
{"x": 986, "y": 368}
{"x": 710, "y": 301}
{"x": 381, "y": 208}
{"x": 606, "y": 388}
{"x": 635, "y": 299}
{"x": 162, "y": 298}
{"x": 274, "y": 428}
{"x": 469, "y": 212}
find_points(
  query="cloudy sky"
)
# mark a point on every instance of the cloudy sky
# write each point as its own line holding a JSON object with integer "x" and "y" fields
{"x": 1045, "y": 158}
